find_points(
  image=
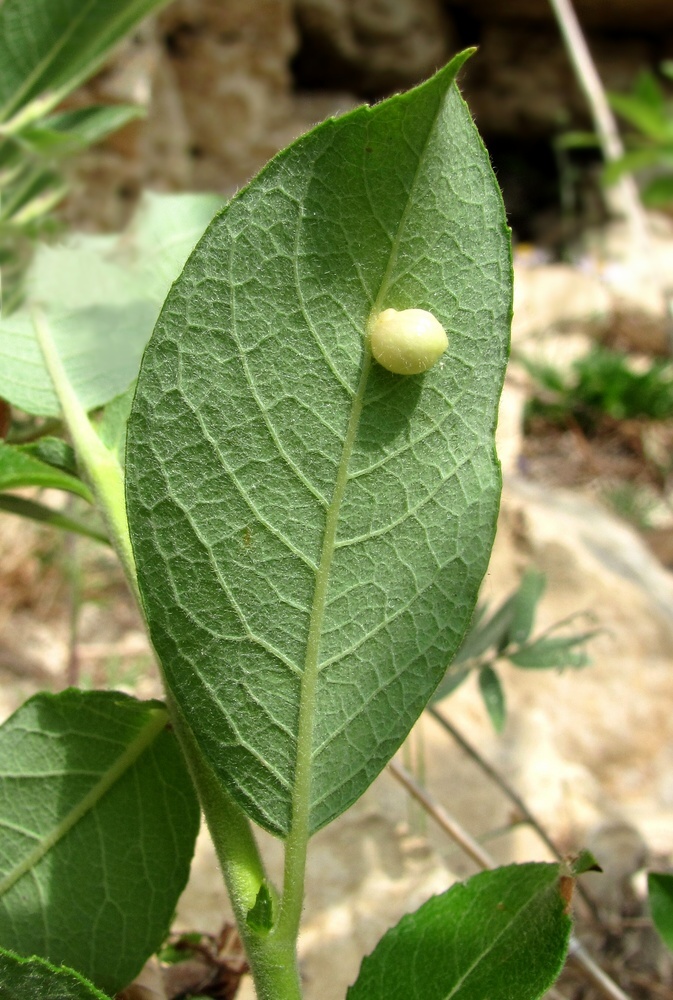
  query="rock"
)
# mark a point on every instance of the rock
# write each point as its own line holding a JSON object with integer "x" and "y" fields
{"x": 215, "y": 78}
{"x": 557, "y": 297}
{"x": 371, "y": 46}
{"x": 585, "y": 549}
{"x": 521, "y": 82}
{"x": 654, "y": 15}
{"x": 639, "y": 279}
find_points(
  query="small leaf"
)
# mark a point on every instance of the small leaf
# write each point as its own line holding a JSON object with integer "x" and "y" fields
{"x": 631, "y": 162}
{"x": 659, "y": 191}
{"x": 71, "y": 131}
{"x": 526, "y": 601}
{"x": 98, "y": 820}
{"x": 494, "y": 697}
{"x": 557, "y": 652}
{"x": 453, "y": 678}
{"x": 112, "y": 425}
{"x": 260, "y": 916}
{"x": 660, "y": 888}
{"x": 489, "y": 634}
{"x": 584, "y": 862}
{"x": 36, "y": 979}
{"x": 647, "y": 118}
{"x": 503, "y": 934}
{"x": 577, "y": 140}
{"x": 34, "y": 193}
{"x": 54, "y": 451}
{"x": 19, "y": 467}
{"x": 35, "y": 511}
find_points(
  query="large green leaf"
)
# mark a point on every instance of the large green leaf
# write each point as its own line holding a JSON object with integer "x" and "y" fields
{"x": 100, "y": 296}
{"x": 35, "y": 979}
{"x": 47, "y": 47}
{"x": 502, "y": 934}
{"x": 310, "y": 529}
{"x": 98, "y": 820}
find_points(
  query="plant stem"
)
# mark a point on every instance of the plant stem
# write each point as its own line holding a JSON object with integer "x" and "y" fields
{"x": 626, "y": 199}
{"x": 510, "y": 792}
{"x": 272, "y": 957}
{"x": 450, "y": 826}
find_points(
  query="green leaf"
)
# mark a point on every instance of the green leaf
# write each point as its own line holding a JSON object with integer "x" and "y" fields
{"x": 577, "y": 140}
{"x": 489, "y": 634}
{"x": 98, "y": 820}
{"x": 310, "y": 529}
{"x": 649, "y": 119}
{"x": 100, "y": 347}
{"x": 34, "y": 193}
{"x": 526, "y": 601}
{"x": 47, "y": 47}
{"x": 658, "y": 192}
{"x": 35, "y": 979}
{"x": 633, "y": 161}
{"x": 101, "y": 297}
{"x": 35, "y": 511}
{"x": 584, "y": 862}
{"x": 54, "y": 451}
{"x": 557, "y": 652}
{"x": 260, "y": 916}
{"x": 18, "y": 468}
{"x": 503, "y": 934}
{"x": 494, "y": 697}
{"x": 660, "y": 889}
{"x": 112, "y": 425}
{"x": 71, "y": 131}
{"x": 648, "y": 91}
{"x": 450, "y": 682}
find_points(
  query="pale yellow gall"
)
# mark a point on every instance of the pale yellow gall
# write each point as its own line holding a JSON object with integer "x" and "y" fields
{"x": 407, "y": 342}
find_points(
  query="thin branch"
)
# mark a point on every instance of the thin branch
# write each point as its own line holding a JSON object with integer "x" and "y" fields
{"x": 498, "y": 779}
{"x": 627, "y": 200}
{"x": 447, "y": 823}
{"x": 453, "y": 828}
{"x": 594, "y": 972}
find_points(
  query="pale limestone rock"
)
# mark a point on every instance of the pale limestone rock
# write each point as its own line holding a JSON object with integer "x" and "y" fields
{"x": 554, "y": 297}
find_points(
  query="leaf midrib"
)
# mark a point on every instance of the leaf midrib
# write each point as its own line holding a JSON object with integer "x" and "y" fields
{"x": 491, "y": 945}
{"x": 158, "y": 717}
{"x": 301, "y": 803}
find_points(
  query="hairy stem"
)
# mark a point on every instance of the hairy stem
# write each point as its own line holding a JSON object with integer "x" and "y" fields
{"x": 272, "y": 957}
